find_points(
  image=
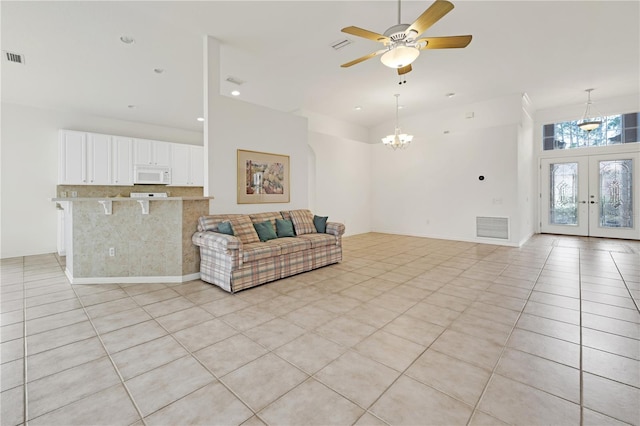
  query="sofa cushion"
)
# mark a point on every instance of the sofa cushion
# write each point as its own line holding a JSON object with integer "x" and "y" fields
{"x": 265, "y": 231}
{"x": 263, "y": 217}
{"x": 320, "y": 222}
{"x": 302, "y": 222}
{"x": 318, "y": 240}
{"x": 225, "y": 228}
{"x": 290, "y": 245}
{"x": 244, "y": 230}
{"x": 284, "y": 228}
{"x": 257, "y": 251}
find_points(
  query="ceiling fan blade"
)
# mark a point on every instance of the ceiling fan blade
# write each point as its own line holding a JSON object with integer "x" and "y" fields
{"x": 364, "y": 58}
{"x": 356, "y": 31}
{"x": 429, "y": 17}
{"x": 451, "y": 42}
{"x": 404, "y": 70}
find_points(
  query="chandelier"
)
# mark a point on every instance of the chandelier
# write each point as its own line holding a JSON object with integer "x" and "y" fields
{"x": 588, "y": 121}
{"x": 398, "y": 140}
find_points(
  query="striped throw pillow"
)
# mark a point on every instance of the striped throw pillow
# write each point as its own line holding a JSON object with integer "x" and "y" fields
{"x": 244, "y": 230}
{"x": 302, "y": 222}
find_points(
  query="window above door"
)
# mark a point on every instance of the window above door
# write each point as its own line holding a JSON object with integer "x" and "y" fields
{"x": 615, "y": 130}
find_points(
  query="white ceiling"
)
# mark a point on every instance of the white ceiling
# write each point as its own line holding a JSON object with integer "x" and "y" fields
{"x": 552, "y": 50}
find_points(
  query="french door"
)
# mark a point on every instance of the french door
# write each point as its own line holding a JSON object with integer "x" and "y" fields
{"x": 597, "y": 196}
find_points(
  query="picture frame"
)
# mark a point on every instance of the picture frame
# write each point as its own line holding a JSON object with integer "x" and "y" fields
{"x": 262, "y": 177}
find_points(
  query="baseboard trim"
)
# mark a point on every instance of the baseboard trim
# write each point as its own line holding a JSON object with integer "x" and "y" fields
{"x": 132, "y": 280}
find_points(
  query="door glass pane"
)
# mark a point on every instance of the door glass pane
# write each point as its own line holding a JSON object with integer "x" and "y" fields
{"x": 563, "y": 193}
{"x": 616, "y": 199}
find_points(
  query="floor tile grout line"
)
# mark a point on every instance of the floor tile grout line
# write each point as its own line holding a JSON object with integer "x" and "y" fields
{"x": 504, "y": 346}
{"x": 195, "y": 357}
{"x": 25, "y": 404}
{"x": 581, "y": 339}
{"x": 624, "y": 281}
{"x": 113, "y": 364}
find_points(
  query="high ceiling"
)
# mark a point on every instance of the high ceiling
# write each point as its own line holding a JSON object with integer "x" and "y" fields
{"x": 74, "y": 59}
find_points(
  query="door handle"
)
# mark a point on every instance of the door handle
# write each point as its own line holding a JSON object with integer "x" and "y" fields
{"x": 582, "y": 202}
{"x": 593, "y": 202}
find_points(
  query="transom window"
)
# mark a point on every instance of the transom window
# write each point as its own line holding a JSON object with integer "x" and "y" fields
{"x": 614, "y": 130}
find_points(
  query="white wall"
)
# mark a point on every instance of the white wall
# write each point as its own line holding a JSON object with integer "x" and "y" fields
{"x": 524, "y": 227}
{"x": 30, "y": 169}
{"x": 342, "y": 181}
{"x": 241, "y": 125}
{"x": 432, "y": 188}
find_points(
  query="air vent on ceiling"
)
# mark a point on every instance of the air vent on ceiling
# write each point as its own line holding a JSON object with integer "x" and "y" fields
{"x": 13, "y": 57}
{"x": 234, "y": 80}
{"x": 339, "y": 44}
{"x": 492, "y": 227}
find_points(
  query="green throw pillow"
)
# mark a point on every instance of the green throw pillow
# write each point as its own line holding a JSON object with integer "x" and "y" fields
{"x": 284, "y": 228}
{"x": 265, "y": 231}
{"x": 320, "y": 222}
{"x": 225, "y": 228}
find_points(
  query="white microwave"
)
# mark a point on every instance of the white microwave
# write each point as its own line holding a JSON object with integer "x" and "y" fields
{"x": 158, "y": 175}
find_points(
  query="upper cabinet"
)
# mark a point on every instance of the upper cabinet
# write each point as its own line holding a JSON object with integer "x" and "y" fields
{"x": 187, "y": 168}
{"x": 95, "y": 159}
{"x": 72, "y": 158}
{"x": 154, "y": 153}
{"x": 99, "y": 159}
{"x": 122, "y": 165}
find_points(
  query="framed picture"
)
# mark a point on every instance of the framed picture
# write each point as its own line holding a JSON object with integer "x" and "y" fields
{"x": 262, "y": 177}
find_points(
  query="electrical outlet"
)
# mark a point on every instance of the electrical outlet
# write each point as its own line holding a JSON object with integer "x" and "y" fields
{"x": 74, "y": 194}
{"x": 112, "y": 251}
{"x": 63, "y": 194}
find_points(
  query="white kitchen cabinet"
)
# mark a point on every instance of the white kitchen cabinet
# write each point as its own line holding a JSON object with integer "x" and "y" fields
{"x": 187, "y": 165}
{"x": 94, "y": 159}
{"x": 99, "y": 159}
{"x": 72, "y": 158}
{"x": 150, "y": 152}
{"x": 122, "y": 155}
{"x": 197, "y": 166}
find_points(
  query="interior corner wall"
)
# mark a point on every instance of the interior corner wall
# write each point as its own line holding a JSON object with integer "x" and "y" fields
{"x": 432, "y": 189}
{"x": 342, "y": 187}
{"x": 29, "y": 169}
{"x": 241, "y": 125}
{"x": 527, "y": 176}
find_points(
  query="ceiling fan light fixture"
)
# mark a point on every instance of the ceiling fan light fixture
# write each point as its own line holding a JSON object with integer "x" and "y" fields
{"x": 400, "y": 56}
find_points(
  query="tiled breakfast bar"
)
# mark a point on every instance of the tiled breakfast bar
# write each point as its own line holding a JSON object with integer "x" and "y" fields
{"x": 131, "y": 240}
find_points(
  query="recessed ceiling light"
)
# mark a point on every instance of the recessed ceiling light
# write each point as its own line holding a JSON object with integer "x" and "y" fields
{"x": 450, "y": 95}
{"x": 235, "y": 93}
{"x": 127, "y": 40}
{"x": 401, "y": 107}
{"x": 131, "y": 106}
{"x": 158, "y": 70}
{"x": 358, "y": 108}
{"x": 200, "y": 119}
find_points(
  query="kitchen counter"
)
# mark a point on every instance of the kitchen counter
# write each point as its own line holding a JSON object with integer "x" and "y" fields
{"x": 131, "y": 240}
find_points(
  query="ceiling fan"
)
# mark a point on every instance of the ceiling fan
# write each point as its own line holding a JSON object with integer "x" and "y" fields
{"x": 401, "y": 43}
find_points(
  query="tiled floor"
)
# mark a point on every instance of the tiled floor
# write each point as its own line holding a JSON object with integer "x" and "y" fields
{"x": 405, "y": 331}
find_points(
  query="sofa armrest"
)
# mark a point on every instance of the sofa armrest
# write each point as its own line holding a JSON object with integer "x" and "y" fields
{"x": 216, "y": 241}
{"x": 335, "y": 228}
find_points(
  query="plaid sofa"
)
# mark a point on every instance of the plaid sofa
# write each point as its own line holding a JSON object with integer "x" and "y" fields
{"x": 234, "y": 265}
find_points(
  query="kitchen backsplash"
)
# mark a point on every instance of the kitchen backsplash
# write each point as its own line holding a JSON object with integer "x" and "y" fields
{"x": 97, "y": 191}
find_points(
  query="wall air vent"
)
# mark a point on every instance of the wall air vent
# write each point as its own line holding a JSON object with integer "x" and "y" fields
{"x": 339, "y": 44}
{"x": 13, "y": 57}
{"x": 492, "y": 227}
